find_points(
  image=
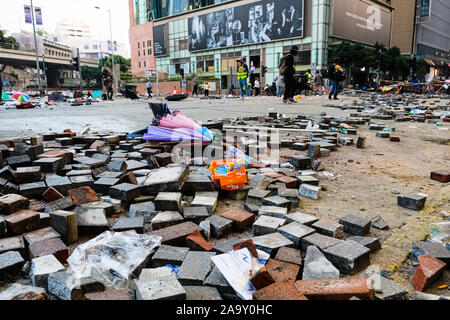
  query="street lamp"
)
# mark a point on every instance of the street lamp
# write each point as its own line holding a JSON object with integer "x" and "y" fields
{"x": 112, "y": 47}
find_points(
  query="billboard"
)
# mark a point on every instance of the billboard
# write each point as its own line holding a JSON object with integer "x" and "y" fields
{"x": 358, "y": 21}
{"x": 27, "y": 10}
{"x": 38, "y": 15}
{"x": 262, "y": 21}
{"x": 160, "y": 40}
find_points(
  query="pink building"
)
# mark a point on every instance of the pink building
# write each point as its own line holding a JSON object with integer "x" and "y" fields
{"x": 141, "y": 45}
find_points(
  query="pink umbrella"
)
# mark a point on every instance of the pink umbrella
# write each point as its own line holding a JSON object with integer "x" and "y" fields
{"x": 178, "y": 120}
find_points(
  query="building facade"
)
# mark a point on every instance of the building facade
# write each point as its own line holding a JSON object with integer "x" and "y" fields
{"x": 205, "y": 38}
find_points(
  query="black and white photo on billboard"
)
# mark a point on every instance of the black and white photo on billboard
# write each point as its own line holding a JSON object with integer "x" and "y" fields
{"x": 160, "y": 40}
{"x": 262, "y": 21}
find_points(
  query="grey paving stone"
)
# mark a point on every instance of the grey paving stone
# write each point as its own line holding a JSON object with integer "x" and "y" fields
{"x": 196, "y": 214}
{"x": 391, "y": 290}
{"x": 277, "y": 201}
{"x": 277, "y": 212}
{"x": 205, "y": 199}
{"x": 41, "y": 268}
{"x": 301, "y": 218}
{"x": 50, "y": 164}
{"x": 169, "y": 255}
{"x": 108, "y": 207}
{"x": 198, "y": 293}
{"x": 309, "y": 191}
{"x": 308, "y": 180}
{"x": 195, "y": 268}
{"x": 295, "y": 232}
{"x": 256, "y": 196}
{"x": 413, "y": 201}
{"x": 166, "y": 219}
{"x": 217, "y": 280}
{"x": 355, "y": 225}
{"x": 270, "y": 243}
{"x": 349, "y": 256}
{"x": 91, "y": 221}
{"x": 65, "y": 223}
{"x": 267, "y": 224}
{"x": 33, "y": 190}
{"x": 176, "y": 235}
{"x": 196, "y": 182}
{"x": 329, "y": 228}
{"x": 144, "y": 209}
{"x": 220, "y": 226}
{"x": 61, "y": 184}
{"x": 372, "y": 243}
{"x": 319, "y": 240}
{"x": 126, "y": 224}
{"x": 125, "y": 191}
{"x": 225, "y": 245}
{"x": 66, "y": 286}
{"x": 13, "y": 244}
{"x": 11, "y": 264}
{"x": 65, "y": 203}
{"x": 168, "y": 201}
{"x": 170, "y": 179}
{"x": 160, "y": 288}
{"x": 317, "y": 266}
{"x": 433, "y": 248}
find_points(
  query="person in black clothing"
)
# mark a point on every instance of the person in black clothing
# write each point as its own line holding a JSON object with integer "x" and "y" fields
{"x": 2, "y": 68}
{"x": 333, "y": 74}
{"x": 195, "y": 90}
{"x": 289, "y": 79}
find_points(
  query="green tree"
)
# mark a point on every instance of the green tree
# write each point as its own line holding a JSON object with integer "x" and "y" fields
{"x": 125, "y": 64}
{"x": 42, "y": 32}
{"x": 90, "y": 73}
{"x": 8, "y": 42}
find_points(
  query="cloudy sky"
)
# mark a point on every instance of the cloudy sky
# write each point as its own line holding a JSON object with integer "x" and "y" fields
{"x": 12, "y": 18}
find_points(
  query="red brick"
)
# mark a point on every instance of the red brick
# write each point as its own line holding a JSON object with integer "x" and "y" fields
{"x": 12, "y": 203}
{"x": 273, "y": 175}
{"x": 96, "y": 144}
{"x": 282, "y": 271}
{"x": 279, "y": 291}
{"x": 176, "y": 235}
{"x": 440, "y": 175}
{"x": 262, "y": 279}
{"x": 30, "y": 296}
{"x": 196, "y": 242}
{"x": 58, "y": 153}
{"x": 110, "y": 295}
{"x": 258, "y": 165}
{"x": 83, "y": 195}
{"x": 241, "y": 219}
{"x": 23, "y": 221}
{"x": 336, "y": 289}
{"x": 52, "y": 195}
{"x": 49, "y": 246}
{"x": 288, "y": 181}
{"x": 27, "y": 174}
{"x": 289, "y": 255}
{"x": 428, "y": 271}
{"x": 38, "y": 206}
{"x": 247, "y": 244}
{"x": 394, "y": 138}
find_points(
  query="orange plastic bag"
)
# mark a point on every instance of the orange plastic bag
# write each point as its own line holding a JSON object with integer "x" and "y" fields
{"x": 228, "y": 174}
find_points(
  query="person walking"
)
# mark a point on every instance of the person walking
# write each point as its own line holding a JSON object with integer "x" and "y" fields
{"x": 195, "y": 89}
{"x": 257, "y": 86}
{"x": 108, "y": 83}
{"x": 336, "y": 75}
{"x": 243, "y": 77}
{"x": 206, "y": 88}
{"x": 231, "y": 93}
{"x": 289, "y": 72}
{"x": 2, "y": 68}
{"x": 319, "y": 83}
{"x": 149, "y": 89}
{"x": 279, "y": 85}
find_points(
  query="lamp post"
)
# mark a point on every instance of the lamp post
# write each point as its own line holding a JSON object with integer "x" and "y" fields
{"x": 112, "y": 48}
{"x": 36, "y": 48}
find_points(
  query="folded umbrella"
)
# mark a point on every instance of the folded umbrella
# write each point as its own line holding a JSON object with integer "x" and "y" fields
{"x": 169, "y": 134}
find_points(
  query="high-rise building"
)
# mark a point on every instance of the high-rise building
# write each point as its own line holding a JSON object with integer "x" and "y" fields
{"x": 207, "y": 37}
{"x": 73, "y": 28}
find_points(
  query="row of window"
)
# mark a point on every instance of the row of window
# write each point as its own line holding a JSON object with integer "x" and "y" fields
{"x": 140, "y": 64}
{"x": 86, "y": 47}
{"x": 149, "y": 52}
{"x": 149, "y": 44}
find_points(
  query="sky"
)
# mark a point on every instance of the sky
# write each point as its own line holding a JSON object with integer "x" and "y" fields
{"x": 12, "y": 17}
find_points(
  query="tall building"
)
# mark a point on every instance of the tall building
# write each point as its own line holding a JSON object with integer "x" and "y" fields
{"x": 206, "y": 37}
{"x": 73, "y": 28}
{"x": 421, "y": 28}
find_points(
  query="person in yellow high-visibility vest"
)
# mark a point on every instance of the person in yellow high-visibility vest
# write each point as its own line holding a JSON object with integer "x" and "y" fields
{"x": 243, "y": 77}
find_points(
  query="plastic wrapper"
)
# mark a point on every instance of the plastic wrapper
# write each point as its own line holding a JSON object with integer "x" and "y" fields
{"x": 440, "y": 232}
{"x": 228, "y": 174}
{"x": 112, "y": 257}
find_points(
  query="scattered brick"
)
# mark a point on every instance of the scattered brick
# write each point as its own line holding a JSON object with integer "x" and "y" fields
{"x": 429, "y": 270}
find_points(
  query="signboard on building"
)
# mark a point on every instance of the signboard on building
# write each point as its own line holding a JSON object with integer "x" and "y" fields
{"x": 262, "y": 21}
{"x": 160, "y": 40}
{"x": 358, "y": 21}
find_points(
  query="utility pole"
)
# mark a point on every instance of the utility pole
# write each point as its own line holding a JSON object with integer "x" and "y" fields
{"x": 44, "y": 72}
{"x": 79, "y": 70}
{"x": 112, "y": 53}
{"x": 36, "y": 48}
{"x": 379, "y": 67}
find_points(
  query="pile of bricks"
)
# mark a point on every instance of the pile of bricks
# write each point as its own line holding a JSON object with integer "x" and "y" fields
{"x": 60, "y": 190}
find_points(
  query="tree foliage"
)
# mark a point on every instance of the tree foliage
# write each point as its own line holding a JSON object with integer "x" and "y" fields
{"x": 8, "y": 41}
{"x": 349, "y": 55}
{"x": 90, "y": 73}
{"x": 125, "y": 64}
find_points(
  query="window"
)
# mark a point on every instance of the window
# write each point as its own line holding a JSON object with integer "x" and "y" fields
{"x": 139, "y": 53}
{"x": 139, "y": 45}
{"x": 143, "y": 52}
{"x": 95, "y": 46}
{"x": 145, "y": 64}
{"x": 149, "y": 52}
{"x": 184, "y": 44}
{"x": 139, "y": 64}
{"x": 149, "y": 43}
{"x": 86, "y": 46}
{"x": 205, "y": 64}
{"x": 304, "y": 54}
{"x": 143, "y": 44}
